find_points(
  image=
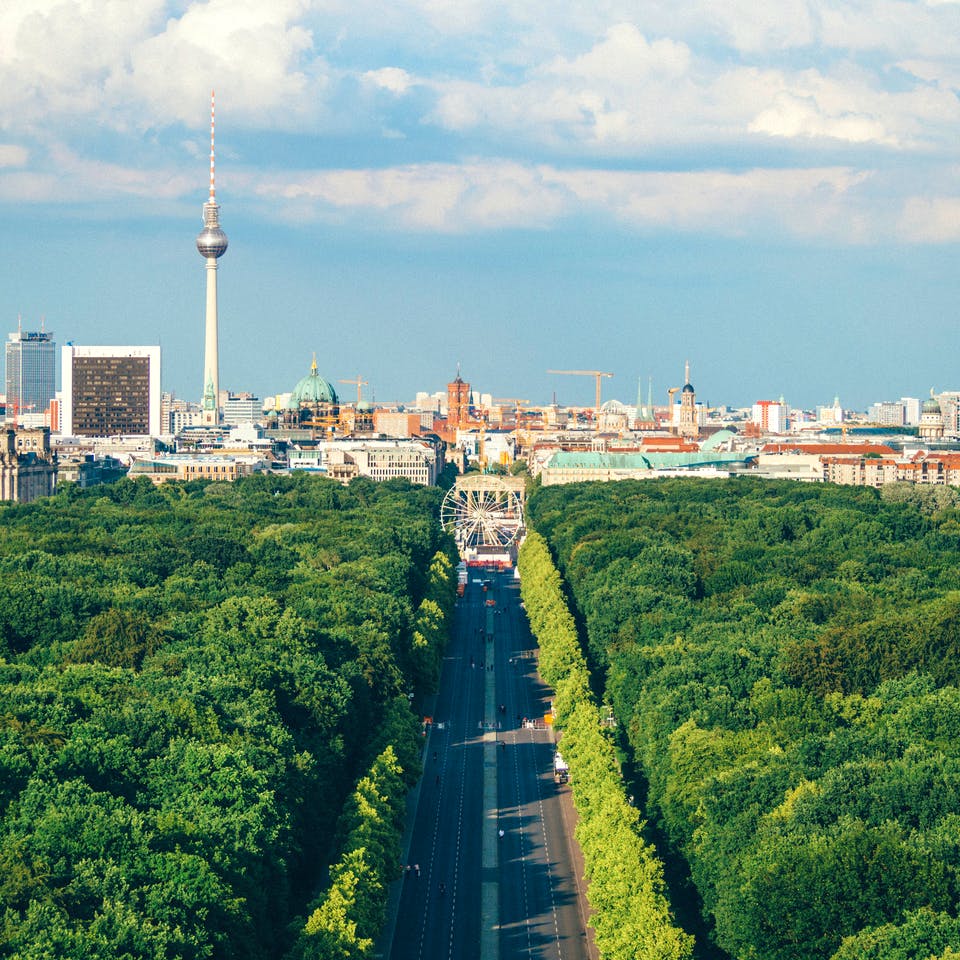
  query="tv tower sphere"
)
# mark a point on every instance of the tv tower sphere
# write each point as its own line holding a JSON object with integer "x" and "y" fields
{"x": 212, "y": 241}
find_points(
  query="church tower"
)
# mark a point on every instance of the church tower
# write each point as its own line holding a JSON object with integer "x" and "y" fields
{"x": 689, "y": 421}
{"x": 458, "y": 402}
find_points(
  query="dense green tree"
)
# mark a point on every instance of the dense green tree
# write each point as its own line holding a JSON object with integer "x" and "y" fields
{"x": 196, "y": 679}
{"x": 782, "y": 661}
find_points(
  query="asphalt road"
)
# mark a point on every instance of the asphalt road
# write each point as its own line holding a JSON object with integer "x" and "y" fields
{"x": 470, "y": 893}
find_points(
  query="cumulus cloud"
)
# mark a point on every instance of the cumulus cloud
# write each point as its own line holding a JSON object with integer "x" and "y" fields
{"x": 139, "y": 65}
{"x": 625, "y": 57}
{"x": 58, "y": 56}
{"x": 257, "y": 51}
{"x": 390, "y": 78}
{"x": 526, "y": 93}
{"x": 431, "y": 197}
{"x": 628, "y": 92}
{"x": 507, "y": 195}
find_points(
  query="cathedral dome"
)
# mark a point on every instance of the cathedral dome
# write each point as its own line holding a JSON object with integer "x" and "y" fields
{"x": 312, "y": 389}
{"x": 687, "y": 388}
{"x": 930, "y": 406}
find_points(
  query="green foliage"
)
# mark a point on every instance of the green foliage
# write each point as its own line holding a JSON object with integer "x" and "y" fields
{"x": 196, "y": 678}
{"x": 632, "y": 917}
{"x": 783, "y": 660}
{"x": 346, "y": 920}
{"x": 923, "y": 933}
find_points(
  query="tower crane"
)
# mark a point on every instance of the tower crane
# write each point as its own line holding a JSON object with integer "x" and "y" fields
{"x": 18, "y": 408}
{"x": 670, "y": 393}
{"x": 514, "y": 401}
{"x": 598, "y": 374}
{"x": 360, "y": 383}
{"x": 517, "y": 440}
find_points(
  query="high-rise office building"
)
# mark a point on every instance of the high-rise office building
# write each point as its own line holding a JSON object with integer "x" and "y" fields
{"x": 31, "y": 376}
{"x": 110, "y": 391}
{"x": 211, "y": 245}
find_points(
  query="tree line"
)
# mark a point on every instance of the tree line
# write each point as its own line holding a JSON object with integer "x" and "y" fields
{"x": 781, "y": 660}
{"x": 631, "y": 917}
{"x": 204, "y": 700}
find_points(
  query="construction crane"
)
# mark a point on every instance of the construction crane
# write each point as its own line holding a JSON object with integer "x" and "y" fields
{"x": 514, "y": 401}
{"x": 360, "y": 384}
{"x": 18, "y": 408}
{"x": 518, "y": 419}
{"x": 670, "y": 392}
{"x": 599, "y": 374}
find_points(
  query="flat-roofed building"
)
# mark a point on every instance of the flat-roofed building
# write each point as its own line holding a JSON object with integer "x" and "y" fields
{"x": 110, "y": 391}
{"x": 394, "y": 423}
{"x": 201, "y": 467}
{"x": 417, "y": 460}
{"x": 31, "y": 376}
{"x": 242, "y": 408}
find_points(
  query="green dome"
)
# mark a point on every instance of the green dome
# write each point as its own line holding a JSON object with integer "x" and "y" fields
{"x": 312, "y": 389}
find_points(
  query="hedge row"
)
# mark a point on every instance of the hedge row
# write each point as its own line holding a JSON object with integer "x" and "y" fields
{"x": 631, "y": 916}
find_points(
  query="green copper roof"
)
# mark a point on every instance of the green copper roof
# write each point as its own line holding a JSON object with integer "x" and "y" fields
{"x": 312, "y": 389}
{"x": 572, "y": 459}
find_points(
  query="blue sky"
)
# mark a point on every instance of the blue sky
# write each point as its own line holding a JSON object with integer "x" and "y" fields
{"x": 771, "y": 191}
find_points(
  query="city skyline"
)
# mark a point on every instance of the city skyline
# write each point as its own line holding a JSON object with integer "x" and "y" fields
{"x": 770, "y": 194}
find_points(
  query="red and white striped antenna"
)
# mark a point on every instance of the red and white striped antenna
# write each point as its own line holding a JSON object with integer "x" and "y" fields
{"x": 212, "y": 167}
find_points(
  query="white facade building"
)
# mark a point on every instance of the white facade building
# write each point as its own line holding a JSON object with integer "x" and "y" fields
{"x": 242, "y": 408}
{"x": 911, "y": 410}
{"x": 416, "y": 460}
{"x": 772, "y": 416}
{"x": 888, "y": 413}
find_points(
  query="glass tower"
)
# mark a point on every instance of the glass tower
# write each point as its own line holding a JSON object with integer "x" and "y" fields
{"x": 31, "y": 375}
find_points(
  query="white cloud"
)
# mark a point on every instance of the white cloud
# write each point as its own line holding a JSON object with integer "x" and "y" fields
{"x": 506, "y": 195}
{"x": 81, "y": 180}
{"x": 625, "y": 57}
{"x": 801, "y": 116}
{"x": 13, "y": 155}
{"x": 55, "y": 57}
{"x": 254, "y": 50}
{"x": 432, "y": 197}
{"x": 628, "y": 93}
{"x": 754, "y": 27}
{"x": 614, "y": 93}
{"x": 390, "y": 78}
{"x": 123, "y": 64}
{"x": 536, "y": 90}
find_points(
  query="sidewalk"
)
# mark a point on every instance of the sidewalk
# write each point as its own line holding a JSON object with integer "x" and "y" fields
{"x": 385, "y": 940}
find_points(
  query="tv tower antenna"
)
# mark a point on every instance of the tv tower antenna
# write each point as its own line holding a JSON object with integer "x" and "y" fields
{"x": 211, "y": 244}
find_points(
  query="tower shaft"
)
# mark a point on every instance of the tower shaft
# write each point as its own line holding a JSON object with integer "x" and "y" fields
{"x": 211, "y": 360}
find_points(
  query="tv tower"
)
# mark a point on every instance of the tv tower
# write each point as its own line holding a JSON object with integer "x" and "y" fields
{"x": 211, "y": 244}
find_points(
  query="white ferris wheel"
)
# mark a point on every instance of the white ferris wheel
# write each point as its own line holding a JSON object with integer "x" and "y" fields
{"x": 484, "y": 512}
